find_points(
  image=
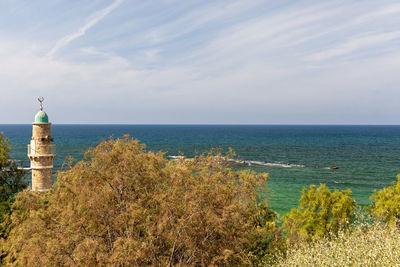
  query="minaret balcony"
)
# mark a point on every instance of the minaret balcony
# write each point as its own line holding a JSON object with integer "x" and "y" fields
{"x": 41, "y": 150}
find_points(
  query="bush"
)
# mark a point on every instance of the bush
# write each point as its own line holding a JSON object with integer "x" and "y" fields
{"x": 11, "y": 181}
{"x": 126, "y": 206}
{"x": 366, "y": 245}
{"x": 320, "y": 213}
{"x": 266, "y": 241}
{"x": 386, "y": 203}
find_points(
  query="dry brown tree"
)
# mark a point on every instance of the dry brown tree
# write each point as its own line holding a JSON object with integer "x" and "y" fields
{"x": 125, "y": 206}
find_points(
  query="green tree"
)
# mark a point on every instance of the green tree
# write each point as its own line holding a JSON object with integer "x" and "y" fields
{"x": 266, "y": 242}
{"x": 125, "y": 206}
{"x": 386, "y": 203}
{"x": 320, "y": 213}
{"x": 11, "y": 181}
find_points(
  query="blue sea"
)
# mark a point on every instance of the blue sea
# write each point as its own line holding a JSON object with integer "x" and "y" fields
{"x": 293, "y": 155}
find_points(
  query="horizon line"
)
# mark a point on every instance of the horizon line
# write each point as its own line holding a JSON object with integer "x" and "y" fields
{"x": 222, "y": 124}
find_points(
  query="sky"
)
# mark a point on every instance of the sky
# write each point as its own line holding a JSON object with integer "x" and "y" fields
{"x": 201, "y": 62}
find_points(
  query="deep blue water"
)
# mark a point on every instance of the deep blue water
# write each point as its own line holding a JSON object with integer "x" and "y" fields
{"x": 367, "y": 156}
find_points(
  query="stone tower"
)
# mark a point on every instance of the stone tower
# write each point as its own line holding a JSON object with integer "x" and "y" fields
{"x": 41, "y": 152}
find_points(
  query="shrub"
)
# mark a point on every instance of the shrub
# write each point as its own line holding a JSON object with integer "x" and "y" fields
{"x": 366, "y": 245}
{"x": 386, "y": 203}
{"x": 126, "y": 206}
{"x": 11, "y": 182}
{"x": 320, "y": 213}
{"x": 11, "y": 175}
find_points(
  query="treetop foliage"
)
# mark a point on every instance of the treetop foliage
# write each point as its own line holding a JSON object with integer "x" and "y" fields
{"x": 4, "y": 150}
{"x": 386, "y": 203}
{"x": 11, "y": 181}
{"x": 125, "y": 206}
{"x": 320, "y": 213}
{"x": 11, "y": 175}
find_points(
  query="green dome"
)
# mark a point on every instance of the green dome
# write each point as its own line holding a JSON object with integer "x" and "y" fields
{"x": 41, "y": 117}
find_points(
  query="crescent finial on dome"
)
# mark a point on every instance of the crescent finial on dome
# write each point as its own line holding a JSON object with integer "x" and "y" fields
{"x": 41, "y": 116}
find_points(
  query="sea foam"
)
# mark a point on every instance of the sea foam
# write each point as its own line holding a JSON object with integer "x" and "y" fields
{"x": 269, "y": 164}
{"x": 254, "y": 162}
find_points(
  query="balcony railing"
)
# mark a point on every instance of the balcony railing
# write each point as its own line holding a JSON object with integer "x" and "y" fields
{"x": 41, "y": 150}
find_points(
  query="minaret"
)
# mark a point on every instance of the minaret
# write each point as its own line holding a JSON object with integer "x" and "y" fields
{"x": 41, "y": 152}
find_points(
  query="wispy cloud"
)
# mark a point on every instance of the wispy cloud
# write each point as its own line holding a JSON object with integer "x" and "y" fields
{"x": 384, "y": 11}
{"x": 355, "y": 44}
{"x": 93, "y": 20}
{"x": 228, "y": 61}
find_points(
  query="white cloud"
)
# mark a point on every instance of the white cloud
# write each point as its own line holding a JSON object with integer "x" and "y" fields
{"x": 93, "y": 20}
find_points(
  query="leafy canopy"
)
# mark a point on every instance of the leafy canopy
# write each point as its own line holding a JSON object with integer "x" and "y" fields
{"x": 386, "y": 203}
{"x": 11, "y": 175}
{"x": 125, "y": 206}
{"x": 320, "y": 213}
{"x": 11, "y": 181}
{"x": 4, "y": 151}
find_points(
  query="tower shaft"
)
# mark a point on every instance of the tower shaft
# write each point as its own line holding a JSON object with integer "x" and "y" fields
{"x": 41, "y": 153}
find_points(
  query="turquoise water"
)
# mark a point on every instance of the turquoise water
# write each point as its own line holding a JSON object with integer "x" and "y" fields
{"x": 367, "y": 156}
